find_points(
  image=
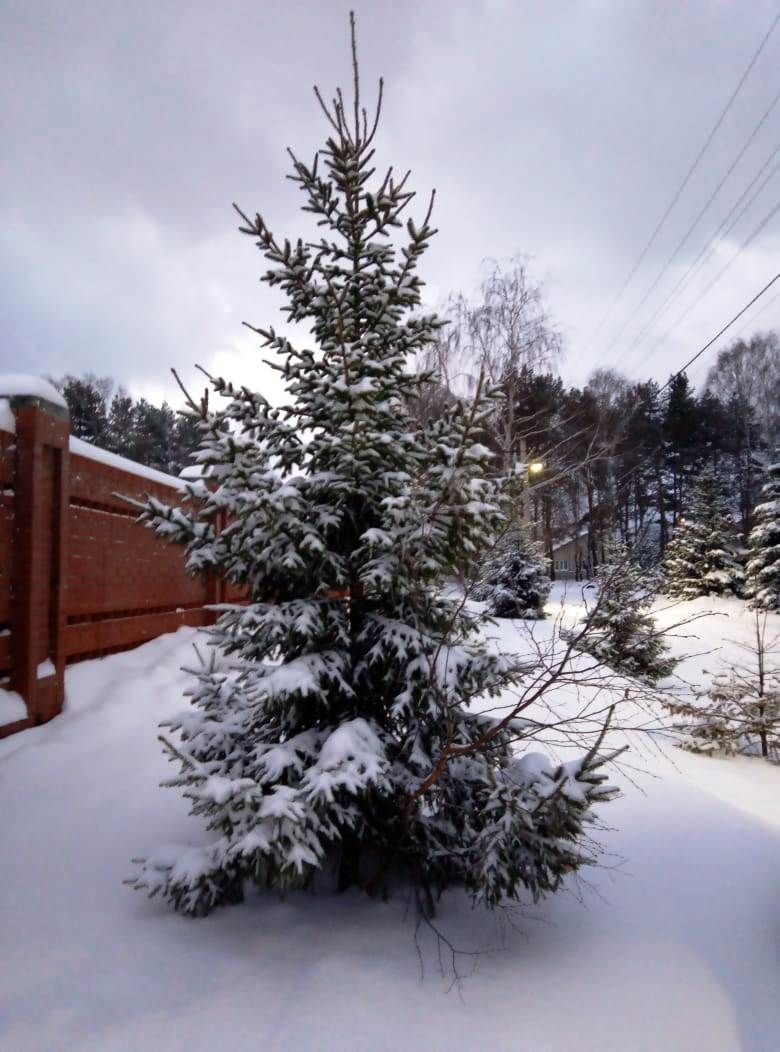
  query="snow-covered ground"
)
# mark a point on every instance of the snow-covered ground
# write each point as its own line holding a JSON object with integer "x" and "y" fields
{"x": 676, "y": 945}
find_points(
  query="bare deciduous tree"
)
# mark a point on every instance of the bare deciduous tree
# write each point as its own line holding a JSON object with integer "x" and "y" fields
{"x": 741, "y": 711}
{"x": 506, "y": 331}
{"x": 746, "y": 376}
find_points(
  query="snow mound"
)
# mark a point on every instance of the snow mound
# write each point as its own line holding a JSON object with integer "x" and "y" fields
{"x": 679, "y": 951}
{"x": 12, "y": 707}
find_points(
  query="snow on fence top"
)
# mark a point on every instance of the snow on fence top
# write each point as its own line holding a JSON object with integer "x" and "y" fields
{"x": 13, "y": 385}
{"x": 84, "y": 449}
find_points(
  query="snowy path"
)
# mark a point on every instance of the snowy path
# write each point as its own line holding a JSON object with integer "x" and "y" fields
{"x": 680, "y": 949}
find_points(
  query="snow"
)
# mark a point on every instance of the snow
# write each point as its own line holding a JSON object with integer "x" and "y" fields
{"x": 12, "y": 707}
{"x": 18, "y": 384}
{"x": 194, "y": 472}
{"x": 46, "y": 669}
{"x": 675, "y": 946}
{"x": 7, "y": 418}
{"x": 113, "y": 460}
{"x": 744, "y": 782}
{"x": 351, "y": 756}
{"x": 12, "y": 384}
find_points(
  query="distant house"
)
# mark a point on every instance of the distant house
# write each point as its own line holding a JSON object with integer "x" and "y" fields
{"x": 570, "y": 560}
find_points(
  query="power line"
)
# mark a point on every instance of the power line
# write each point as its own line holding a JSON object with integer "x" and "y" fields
{"x": 657, "y": 448}
{"x": 683, "y": 241}
{"x": 687, "y": 178}
{"x": 725, "y": 328}
{"x": 757, "y": 315}
{"x": 752, "y": 320}
{"x": 626, "y": 476}
{"x": 723, "y": 230}
{"x": 745, "y": 244}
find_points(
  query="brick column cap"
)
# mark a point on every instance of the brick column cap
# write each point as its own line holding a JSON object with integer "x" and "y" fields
{"x": 23, "y": 391}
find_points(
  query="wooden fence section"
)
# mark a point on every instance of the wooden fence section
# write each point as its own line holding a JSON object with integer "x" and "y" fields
{"x": 123, "y": 585}
{"x": 79, "y": 577}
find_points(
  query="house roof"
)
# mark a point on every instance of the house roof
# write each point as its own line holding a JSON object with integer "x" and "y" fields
{"x": 563, "y": 541}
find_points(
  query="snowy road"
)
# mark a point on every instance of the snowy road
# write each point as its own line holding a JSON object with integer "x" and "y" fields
{"x": 677, "y": 949}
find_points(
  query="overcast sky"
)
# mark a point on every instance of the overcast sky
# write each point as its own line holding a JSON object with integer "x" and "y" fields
{"x": 557, "y": 130}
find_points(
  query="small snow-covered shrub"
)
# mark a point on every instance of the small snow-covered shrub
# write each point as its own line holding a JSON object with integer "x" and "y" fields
{"x": 621, "y": 631}
{"x": 514, "y": 581}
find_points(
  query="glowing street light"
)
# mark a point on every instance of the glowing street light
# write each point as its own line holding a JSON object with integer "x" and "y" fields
{"x": 535, "y": 467}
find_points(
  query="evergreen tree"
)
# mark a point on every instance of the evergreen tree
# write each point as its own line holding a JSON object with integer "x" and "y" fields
{"x": 332, "y": 722}
{"x": 763, "y": 568}
{"x": 703, "y": 555}
{"x": 637, "y": 449}
{"x": 184, "y": 440}
{"x": 514, "y": 581}
{"x": 87, "y": 399}
{"x": 714, "y": 420}
{"x": 682, "y": 439}
{"x": 121, "y": 431}
{"x": 645, "y": 553}
{"x": 149, "y": 434}
{"x": 623, "y": 633}
{"x": 153, "y": 432}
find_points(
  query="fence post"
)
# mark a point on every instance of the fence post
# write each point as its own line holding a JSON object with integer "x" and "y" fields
{"x": 38, "y": 569}
{"x": 215, "y": 582}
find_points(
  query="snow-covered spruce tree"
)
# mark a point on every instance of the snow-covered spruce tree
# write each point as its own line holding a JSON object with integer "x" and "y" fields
{"x": 622, "y": 633}
{"x": 330, "y": 729}
{"x": 762, "y": 584}
{"x": 741, "y": 711}
{"x": 703, "y": 555}
{"x": 513, "y": 581}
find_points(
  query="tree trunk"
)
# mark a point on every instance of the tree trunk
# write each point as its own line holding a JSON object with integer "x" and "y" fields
{"x": 349, "y": 865}
{"x": 663, "y": 534}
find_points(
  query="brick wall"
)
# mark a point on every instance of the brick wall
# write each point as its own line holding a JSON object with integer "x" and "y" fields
{"x": 79, "y": 577}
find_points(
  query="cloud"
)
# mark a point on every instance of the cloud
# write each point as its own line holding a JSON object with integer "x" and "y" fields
{"x": 559, "y": 131}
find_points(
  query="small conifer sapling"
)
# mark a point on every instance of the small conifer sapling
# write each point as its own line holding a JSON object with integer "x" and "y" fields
{"x": 513, "y": 581}
{"x": 763, "y": 568}
{"x": 622, "y": 632}
{"x": 703, "y": 557}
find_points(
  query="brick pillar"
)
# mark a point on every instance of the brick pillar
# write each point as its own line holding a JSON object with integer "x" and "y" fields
{"x": 40, "y": 522}
{"x": 215, "y": 582}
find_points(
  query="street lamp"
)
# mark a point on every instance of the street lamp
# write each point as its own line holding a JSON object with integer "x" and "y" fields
{"x": 533, "y": 467}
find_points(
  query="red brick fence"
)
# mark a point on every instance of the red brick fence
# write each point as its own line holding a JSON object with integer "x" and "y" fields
{"x": 78, "y": 576}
